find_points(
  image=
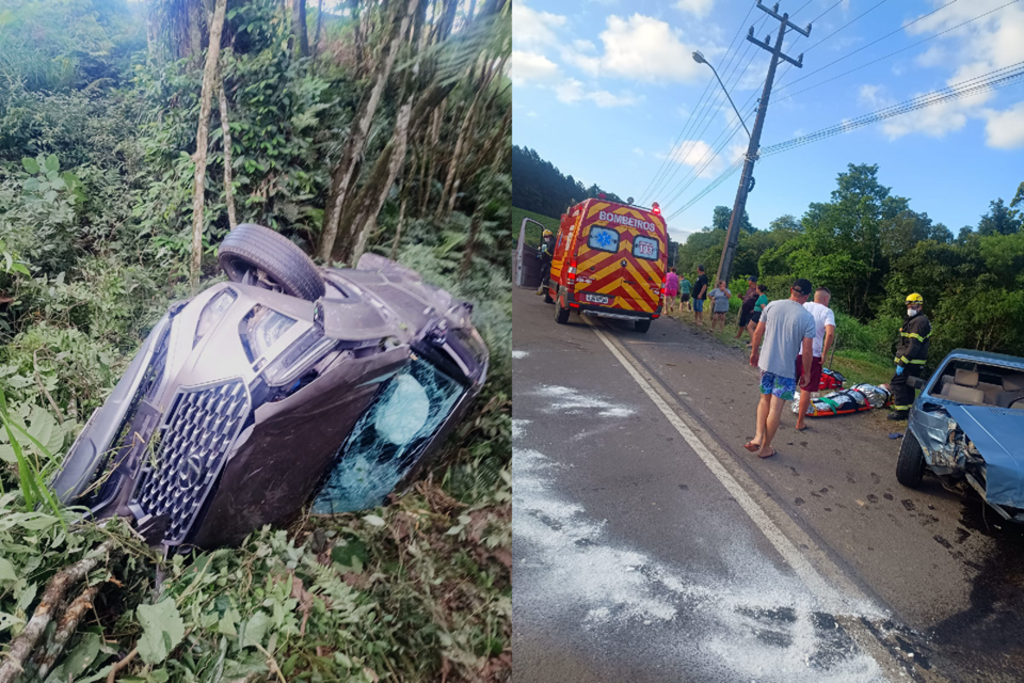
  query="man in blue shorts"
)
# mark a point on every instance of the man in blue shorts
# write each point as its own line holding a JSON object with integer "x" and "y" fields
{"x": 788, "y": 331}
{"x": 700, "y": 293}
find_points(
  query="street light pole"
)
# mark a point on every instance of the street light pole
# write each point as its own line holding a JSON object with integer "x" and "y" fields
{"x": 747, "y": 177}
{"x": 698, "y": 57}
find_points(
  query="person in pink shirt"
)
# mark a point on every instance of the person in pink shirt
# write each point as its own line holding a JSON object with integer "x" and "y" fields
{"x": 671, "y": 290}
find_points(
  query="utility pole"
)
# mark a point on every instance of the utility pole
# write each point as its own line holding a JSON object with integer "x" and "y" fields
{"x": 747, "y": 178}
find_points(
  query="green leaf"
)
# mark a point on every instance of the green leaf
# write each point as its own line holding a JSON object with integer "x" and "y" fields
{"x": 50, "y": 195}
{"x": 162, "y": 631}
{"x": 7, "y": 572}
{"x": 82, "y": 657}
{"x": 52, "y": 164}
{"x": 255, "y": 629}
{"x": 31, "y": 165}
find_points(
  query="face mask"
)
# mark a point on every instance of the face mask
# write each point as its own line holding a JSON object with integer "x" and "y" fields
{"x": 911, "y": 312}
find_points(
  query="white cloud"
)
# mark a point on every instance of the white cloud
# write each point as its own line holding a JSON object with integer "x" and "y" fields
{"x": 697, "y": 7}
{"x": 1005, "y": 129}
{"x": 699, "y": 155}
{"x": 641, "y": 48}
{"x": 530, "y": 66}
{"x": 532, "y": 29}
{"x": 532, "y": 114}
{"x": 583, "y": 45}
{"x": 571, "y": 91}
{"x": 638, "y": 151}
{"x": 605, "y": 99}
{"x": 977, "y": 48}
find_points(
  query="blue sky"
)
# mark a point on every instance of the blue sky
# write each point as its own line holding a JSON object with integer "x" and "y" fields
{"x": 604, "y": 88}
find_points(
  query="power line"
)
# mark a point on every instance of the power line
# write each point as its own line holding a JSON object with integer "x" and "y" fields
{"x": 725, "y": 175}
{"x": 651, "y": 185}
{"x": 851, "y": 21}
{"x": 891, "y": 54}
{"x": 997, "y": 78}
{"x": 720, "y": 99}
{"x": 698, "y": 118}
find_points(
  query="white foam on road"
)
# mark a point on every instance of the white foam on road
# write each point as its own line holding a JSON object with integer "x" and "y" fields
{"x": 625, "y": 599}
{"x": 566, "y": 399}
{"x": 519, "y": 355}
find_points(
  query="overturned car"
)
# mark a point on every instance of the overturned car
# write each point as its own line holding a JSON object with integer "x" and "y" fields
{"x": 967, "y": 426}
{"x": 290, "y": 384}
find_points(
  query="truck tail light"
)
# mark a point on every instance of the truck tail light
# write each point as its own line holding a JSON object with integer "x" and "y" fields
{"x": 655, "y": 315}
{"x": 571, "y": 272}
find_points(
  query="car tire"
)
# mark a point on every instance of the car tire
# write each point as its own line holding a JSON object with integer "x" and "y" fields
{"x": 561, "y": 314}
{"x": 910, "y": 463}
{"x": 642, "y": 325}
{"x": 253, "y": 247}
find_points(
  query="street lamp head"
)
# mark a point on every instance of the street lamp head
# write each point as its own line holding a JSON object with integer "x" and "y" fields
{"x": 698, "y": 57}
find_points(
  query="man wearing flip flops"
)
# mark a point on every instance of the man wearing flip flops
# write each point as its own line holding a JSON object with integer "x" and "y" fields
{"x": 787, "y": 329}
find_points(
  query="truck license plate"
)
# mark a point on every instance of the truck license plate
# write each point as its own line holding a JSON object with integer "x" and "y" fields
{"x": 598, "y": 298}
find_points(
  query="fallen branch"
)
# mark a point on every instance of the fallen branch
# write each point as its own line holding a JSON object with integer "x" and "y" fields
{"x": 66, "y": 628}
{"x": 62, "y": 581}
{"x": 112, "y": 676}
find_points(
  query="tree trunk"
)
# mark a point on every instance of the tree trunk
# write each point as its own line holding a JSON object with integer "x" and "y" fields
{"x": 343, "y": 174}
{"x": 395, "y": 164}
{"x": 435, "y": 136}
{"x": 467, "y": 252}
{"x": 443, "y": 27}
{"x": 195, "y": 31}
{"x": 299, "y": 26}
{"x": 202, "y": 138}
{"x": 398, "y": 231}
{"x": 229, "y": 191}
{"x": 450, "y": 183}
{"x": 319, "y": 23}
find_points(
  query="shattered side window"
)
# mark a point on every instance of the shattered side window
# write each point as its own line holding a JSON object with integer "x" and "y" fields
{"x": 389, "y": 439}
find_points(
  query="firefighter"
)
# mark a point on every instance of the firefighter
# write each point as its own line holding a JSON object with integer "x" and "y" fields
{"x": 547, "y": 251}
{"x": 911, "y": 355}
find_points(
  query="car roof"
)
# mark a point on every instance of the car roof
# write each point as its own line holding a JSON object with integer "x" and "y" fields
{"x": 986, "y": 357}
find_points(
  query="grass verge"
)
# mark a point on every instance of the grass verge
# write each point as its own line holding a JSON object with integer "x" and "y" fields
{"x": 533, "y": 231}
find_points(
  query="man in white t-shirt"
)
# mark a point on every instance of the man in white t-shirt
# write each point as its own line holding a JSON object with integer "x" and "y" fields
{"x": 824, "y": 334}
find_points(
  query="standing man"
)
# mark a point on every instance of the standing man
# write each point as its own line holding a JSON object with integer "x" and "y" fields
{"x": 824, "y": 334}
{"x": 911, "y": 355}
{"x": 788, "y": 331}
{"x": 547, "y": 252}
{"x": 700, "y": 289}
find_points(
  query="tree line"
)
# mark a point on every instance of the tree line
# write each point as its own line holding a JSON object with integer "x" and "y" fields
{"x": 871, "y": 249}
{"x": 540, "y": 187}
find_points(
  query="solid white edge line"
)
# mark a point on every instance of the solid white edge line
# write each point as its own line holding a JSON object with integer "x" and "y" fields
{"x": 789, "y": 552}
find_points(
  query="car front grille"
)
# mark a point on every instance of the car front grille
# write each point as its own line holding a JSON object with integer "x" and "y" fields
{"x": 177, "y": 478}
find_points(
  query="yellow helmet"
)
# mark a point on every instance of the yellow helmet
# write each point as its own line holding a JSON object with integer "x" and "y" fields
{"x": 915, "y": 298}
{"x": 547, "y": 233}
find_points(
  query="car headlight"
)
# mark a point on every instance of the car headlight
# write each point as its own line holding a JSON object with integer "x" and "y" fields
{"x": 265, "y": 328}
{"x": 213, "y": 312}
{"x": 300, "y": 357}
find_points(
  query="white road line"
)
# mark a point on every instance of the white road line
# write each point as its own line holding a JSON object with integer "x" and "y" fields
{"x": 790, "y": 553}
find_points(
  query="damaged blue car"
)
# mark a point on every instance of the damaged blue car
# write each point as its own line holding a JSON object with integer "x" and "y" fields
{"x": 967, "y": 427}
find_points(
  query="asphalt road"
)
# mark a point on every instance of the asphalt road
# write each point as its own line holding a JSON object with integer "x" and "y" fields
{"x": 649, "y": 546}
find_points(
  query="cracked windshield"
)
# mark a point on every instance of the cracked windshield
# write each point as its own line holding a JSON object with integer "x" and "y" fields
{"x": 768, "y": 341}
{"x": 256, "y": 356}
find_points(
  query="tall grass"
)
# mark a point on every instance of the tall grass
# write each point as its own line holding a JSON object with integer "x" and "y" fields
{"x": 31, "y": 476}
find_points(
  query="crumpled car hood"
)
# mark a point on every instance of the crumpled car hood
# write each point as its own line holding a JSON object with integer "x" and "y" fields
{"x": 998, "y": 434}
